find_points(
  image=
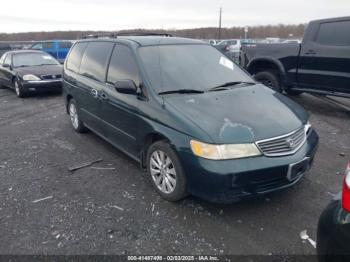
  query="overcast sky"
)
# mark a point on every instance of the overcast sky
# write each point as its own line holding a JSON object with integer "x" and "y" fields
{"x": 51, "y": 15}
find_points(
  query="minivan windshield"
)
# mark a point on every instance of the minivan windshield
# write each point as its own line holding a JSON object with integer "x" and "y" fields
{"x": 33, "y": 59}
{"x": 191, "y": 67}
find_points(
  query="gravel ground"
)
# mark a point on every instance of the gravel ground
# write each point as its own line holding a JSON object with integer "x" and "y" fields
{"x": 46, "y": 209}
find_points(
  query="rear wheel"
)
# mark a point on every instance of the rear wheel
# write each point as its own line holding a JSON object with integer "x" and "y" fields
{"x": 269, "y": 79}
{"x": 165, "y": 172}
{"x": 77, "y": 124}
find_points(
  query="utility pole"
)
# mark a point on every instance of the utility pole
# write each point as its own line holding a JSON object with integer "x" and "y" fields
{"x": 219, "y": 35}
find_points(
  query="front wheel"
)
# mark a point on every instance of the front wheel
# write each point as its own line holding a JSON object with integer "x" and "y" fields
{"x": 165, "y": 172}
{"x": 18, "y": 89}
{"x": 269, "y": 79}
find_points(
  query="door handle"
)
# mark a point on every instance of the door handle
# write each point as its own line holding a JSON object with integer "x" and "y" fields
{"x": 94, "y": 93}
{"x": 310, "y": 52}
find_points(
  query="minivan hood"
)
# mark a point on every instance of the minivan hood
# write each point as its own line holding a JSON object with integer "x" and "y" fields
{"x": 240, "y": 115}
{"x": 40, "y": 70}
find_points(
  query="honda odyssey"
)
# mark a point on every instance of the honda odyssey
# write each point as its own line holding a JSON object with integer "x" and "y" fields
{"x": 192, "y": 118}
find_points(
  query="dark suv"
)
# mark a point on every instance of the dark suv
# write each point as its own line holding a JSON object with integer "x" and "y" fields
{"x": 194, "y": 119}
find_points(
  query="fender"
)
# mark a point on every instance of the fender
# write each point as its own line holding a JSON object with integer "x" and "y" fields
{"x": 273, "y": 61}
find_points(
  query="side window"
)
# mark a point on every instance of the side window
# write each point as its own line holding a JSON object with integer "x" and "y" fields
{"x": 7, "y": 60}
{"x": 37, "y": 46}
{"x": 65, "y": 44}
{"x": 74, "y": 58}
{"x": 123, "y": 66}
{"x": 47, "y": 45}
{"x": 95, "y": 60}
{"x": 334, "y": 33}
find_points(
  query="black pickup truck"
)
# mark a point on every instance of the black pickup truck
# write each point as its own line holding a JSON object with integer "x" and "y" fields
{"x": 320, "y": 64}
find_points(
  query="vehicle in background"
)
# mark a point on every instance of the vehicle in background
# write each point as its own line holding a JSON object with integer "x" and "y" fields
{"x": 213, "y": 42}
{"x": 333, "y": 234}
{"x": 273, "y": 40}
{"x": 210, "y": 41}
{"x": 320, "y": 64}
{"x": 195, "y": 120}
{"x": 29, "y": 71}
{"x": 230, "y": 47}
{"x": 291, "y": 41}
{"x": 4, "y": 47}
{"x": 56, "y": 48}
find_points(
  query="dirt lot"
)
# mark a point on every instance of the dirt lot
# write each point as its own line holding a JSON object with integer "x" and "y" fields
{"x": 116, "y": 211}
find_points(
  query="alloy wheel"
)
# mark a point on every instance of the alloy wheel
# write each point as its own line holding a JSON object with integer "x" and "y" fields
{"x": 18, "y": 91}
{"x": 163, "y": 171}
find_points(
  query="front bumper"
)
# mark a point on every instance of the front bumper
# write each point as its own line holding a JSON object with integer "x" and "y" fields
{"x": 333, "y": 233}
{"x": 228, "y": 181}
{"x": 42, "y": 86}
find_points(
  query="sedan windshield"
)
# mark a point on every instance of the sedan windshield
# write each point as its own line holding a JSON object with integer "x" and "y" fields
{"x": 33, "y": 59}
{"x": 192, "y": 67}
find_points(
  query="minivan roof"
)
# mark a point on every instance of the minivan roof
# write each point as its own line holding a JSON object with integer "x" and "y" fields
{"x": 148, "y": 40}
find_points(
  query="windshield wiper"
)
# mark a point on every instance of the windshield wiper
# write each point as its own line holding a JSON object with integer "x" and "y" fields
{"x": 228, "y": 84}
{"x": 182, "y": 91}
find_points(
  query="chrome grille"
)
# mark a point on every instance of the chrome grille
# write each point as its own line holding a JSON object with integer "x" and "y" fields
{"x": 284, "y": 145}
{"x": 50, "y": 77}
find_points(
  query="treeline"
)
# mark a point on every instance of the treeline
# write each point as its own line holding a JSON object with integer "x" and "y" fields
{"x": 281, "y": 31}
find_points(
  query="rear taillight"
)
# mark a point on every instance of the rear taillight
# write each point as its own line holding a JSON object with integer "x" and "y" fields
{"x": 346, "y": 190}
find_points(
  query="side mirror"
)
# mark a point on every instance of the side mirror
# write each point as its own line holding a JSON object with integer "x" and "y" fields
{"x": 6, "y": 66}
{"x": 126, "y": 87}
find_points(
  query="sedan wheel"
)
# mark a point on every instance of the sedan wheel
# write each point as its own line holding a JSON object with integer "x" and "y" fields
{"x": 18, "y": 90}
{"x": 163, "y": 172}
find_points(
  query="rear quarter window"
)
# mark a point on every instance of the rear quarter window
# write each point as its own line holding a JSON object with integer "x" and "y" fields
{"x": 75, "y": 56}
{"x": 95, "y": 60}
{"x": 334, "y": 33}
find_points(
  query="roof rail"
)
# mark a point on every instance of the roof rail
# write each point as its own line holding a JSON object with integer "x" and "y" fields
{"x": 143, "y": 34}
{"x": 115, "y": 35}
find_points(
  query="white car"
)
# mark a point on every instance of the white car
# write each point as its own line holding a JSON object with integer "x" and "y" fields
{"x": 230, "y": 45}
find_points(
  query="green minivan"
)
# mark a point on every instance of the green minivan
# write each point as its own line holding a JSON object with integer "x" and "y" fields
{"x": 196, "y": 121}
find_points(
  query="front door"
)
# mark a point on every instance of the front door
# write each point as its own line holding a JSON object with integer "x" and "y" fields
{"x": 121, "y": 111}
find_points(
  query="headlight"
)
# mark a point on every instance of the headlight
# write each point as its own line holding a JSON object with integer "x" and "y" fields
{"x": 31, "y": 78}
{"x": 222, "y": 152}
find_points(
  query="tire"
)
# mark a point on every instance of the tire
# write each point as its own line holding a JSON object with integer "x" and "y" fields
{"x": 73, "y": 112}
{"x": 269, "y": 79}
{"x": 18, "y": 89}
{"x": 165, "y": 172}
{"x": 293, "y": 92}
